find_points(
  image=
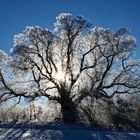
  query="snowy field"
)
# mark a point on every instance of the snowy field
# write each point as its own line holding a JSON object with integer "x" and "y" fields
{"x": 61, "y": 132}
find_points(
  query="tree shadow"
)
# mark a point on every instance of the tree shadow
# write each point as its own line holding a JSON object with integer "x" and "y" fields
{"x": 54, "y": 131}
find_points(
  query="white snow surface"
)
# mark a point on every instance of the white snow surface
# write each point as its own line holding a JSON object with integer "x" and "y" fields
{"x": 60, "y": 132}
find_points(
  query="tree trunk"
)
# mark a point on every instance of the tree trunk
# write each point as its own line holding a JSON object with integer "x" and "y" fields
{"x": 69, "y": 112}
{"x": 68, "y": 108}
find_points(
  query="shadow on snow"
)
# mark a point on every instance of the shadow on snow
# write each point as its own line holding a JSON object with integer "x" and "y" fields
{"x": 53, "y": 131}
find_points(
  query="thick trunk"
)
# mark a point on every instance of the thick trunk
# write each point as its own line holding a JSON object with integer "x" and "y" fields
{"x": 68, "y": 108}
{"x": 69, "y": 113}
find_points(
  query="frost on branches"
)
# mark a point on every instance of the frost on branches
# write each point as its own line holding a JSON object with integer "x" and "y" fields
{"x": 74, "y": 61}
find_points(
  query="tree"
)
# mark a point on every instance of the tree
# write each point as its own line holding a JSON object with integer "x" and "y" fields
{"x": 94, "y": 112}
{"x": 59, "y": 64}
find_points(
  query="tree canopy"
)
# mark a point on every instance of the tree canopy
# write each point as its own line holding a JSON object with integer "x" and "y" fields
{"x": 73, "y": 61}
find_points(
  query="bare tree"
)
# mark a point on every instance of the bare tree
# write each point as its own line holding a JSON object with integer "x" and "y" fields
{"x": 58, "y": 64}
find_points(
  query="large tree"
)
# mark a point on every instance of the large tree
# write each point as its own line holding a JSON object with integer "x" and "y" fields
{"x": 69, "y": 63}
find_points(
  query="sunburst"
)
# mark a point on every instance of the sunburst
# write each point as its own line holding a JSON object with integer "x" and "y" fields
{"x": 60, "y": 76}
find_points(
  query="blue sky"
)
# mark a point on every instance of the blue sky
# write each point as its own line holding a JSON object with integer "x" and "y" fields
{"x": 15, "y": 15}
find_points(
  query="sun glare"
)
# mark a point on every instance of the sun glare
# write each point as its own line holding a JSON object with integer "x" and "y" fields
{"x": 60, "y": 76}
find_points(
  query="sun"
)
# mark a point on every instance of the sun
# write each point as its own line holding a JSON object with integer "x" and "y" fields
{"x": 60, "y": 76}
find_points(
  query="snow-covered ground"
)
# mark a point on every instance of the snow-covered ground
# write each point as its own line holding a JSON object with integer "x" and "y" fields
{"x": 61, "y": 132}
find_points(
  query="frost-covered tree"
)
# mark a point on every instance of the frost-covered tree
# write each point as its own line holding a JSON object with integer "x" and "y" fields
{"x": 59, "y": 64}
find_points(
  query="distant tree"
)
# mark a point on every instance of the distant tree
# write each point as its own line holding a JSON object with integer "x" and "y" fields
{"x": 2, "y": 113}
{"x": 13, "y": 115}
{"x": 96, "y": 111}
{"x": 88, "y": 109}
{"x": 59, "y": 64}
{"x": 134, "y": 107}
{"x": 121, "y": 115}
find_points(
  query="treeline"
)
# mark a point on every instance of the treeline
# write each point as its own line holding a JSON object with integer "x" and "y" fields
{"x": 120, "y": 113}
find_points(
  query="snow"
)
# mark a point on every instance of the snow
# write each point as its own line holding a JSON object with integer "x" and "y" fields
{"x": 28, "y": 133}
{"x": 60, "y": 132}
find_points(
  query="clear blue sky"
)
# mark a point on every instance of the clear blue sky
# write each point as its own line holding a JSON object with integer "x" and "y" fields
{"x": 15, "y": 15}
